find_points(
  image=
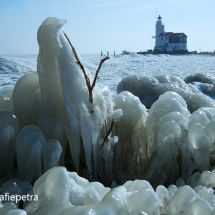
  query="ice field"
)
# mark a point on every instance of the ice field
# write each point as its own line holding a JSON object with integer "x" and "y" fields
{"x": 116, "y": 68}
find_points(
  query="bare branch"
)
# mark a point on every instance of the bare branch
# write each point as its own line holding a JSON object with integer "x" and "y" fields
{"x": 79, "y": 62}
{"x": 89, "y": 86}
{"x": 97, "y": 72}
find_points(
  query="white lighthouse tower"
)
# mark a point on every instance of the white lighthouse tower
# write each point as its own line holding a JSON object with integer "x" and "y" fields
{"x": 159, "y": 29}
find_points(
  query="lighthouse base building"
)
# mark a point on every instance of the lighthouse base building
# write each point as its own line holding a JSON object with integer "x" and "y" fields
{"x": 169, "y": 41}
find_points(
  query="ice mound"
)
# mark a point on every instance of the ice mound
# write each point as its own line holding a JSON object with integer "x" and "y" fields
{"x": 167, "y": 127}
{"x": 29, "y": 144}
{"x": 201, "y": 138}
{"x": 148, "y": 89}
{"x": 27, "y": 99}
{"x": 204, "y": 82}
{"x": 170, "y": 109}
{"x": 34, "y": 152}
{"x": 132, "y": 135}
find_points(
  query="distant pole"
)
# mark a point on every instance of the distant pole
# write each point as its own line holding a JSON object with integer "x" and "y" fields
{"x": 114, "y": 52}
{"x": 101, "y": 53}
{"x": 107, "y": 53}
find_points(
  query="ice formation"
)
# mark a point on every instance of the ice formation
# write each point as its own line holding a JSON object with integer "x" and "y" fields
{"x": 63, "y": 192}
{"x": 14, "y": 188}
{"x": 201, "y": 138}
{"x": 29, "y": 144}
{"x": 132, "y": 145}
{"x": 148, "y": 89}
{"x": 6, "y": 102}
{"x": 35, "y": 155}
{"x": 26, "y": 99}
{"x": 9, "y": 128}
{"x": 51, "y": 153}
{"x": 63, "y": 119}
{"x": 65, "y": 104}
{"x": 204, "y": 82}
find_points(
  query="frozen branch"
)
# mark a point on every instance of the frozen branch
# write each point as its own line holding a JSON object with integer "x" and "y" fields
{"x": 97, "y": 72}
{"x": 89, "y": 86}
{"x": 108, "y": 133}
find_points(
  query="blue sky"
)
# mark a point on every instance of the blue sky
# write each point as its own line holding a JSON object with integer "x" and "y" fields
{"x": 112, "y": 25}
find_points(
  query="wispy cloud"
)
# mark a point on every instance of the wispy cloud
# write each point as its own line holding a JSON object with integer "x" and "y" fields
{"x": 87, "y": 7}
{"x": 112, "y": 8}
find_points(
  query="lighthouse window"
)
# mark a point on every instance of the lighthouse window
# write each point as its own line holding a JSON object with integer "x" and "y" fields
{"x": 166, "y": 38}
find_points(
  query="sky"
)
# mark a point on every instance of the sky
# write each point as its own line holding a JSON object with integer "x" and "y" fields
{"x": 106, "y": 25}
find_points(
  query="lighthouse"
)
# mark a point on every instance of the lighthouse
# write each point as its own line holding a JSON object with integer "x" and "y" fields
{"x": 159, "y": 29}
{"x": 166, "y": 42}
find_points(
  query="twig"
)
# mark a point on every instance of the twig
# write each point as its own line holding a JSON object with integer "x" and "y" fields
{"x": 111, "y": 127}
{"x": 90, "y": 88}
{"x": 79, "y": 62}
{"x": 97, "y": 72}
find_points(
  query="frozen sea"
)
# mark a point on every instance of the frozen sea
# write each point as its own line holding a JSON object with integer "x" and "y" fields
{"x": 116, "y": 68}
